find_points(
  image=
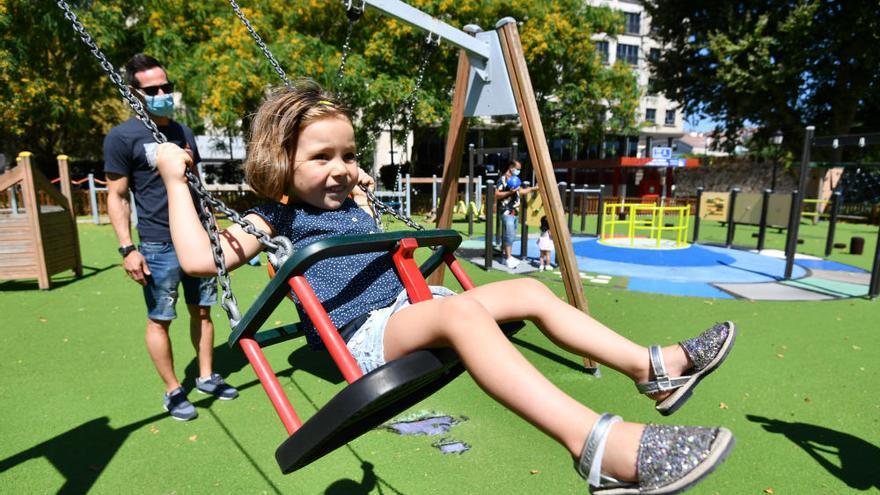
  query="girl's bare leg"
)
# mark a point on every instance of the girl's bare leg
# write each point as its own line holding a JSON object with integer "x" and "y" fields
{"x": 463, "y": 323}
{"x": 573, "y": 330}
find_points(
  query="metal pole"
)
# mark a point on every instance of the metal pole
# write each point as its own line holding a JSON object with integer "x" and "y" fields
{"x": 399, "y": 192}
{"x": 490, "y": 206}
{"x": 562, "y": 187}
{"x": 434, "y": 193}
{"x": 832, "y": 223}
{"x": 791, "y": 219}
{"x": 731, "y": 223}
{"x": 524, "y": 228}
{"x": 408, "y": 197}
{"x": 762, "y": 226}
{"x": 799, "y": 201}
{"x": 479, "y": 194}
{"x": 571, "y": 195}
{"x": 697, "y": 215}
{"x": 467, "y": 191}
{"x": 585, "y": 198}
{"x": 600, "y": 211}
{"x": 874, "y": 287}
{"x": 93, "y": 200}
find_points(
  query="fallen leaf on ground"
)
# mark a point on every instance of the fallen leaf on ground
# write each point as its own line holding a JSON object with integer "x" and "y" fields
{"x": 534, "y": 471}
{"x": 808, "y": 400}
{"x": 153, "y": 429}
{"x": 780, "y": 356}
{"x": 43, "y": 320}
{"x": 193, "y": 438}
{"x": 769, "y": 490}
{"x": 723, "y": 406}
{"x": 857, "y": 348}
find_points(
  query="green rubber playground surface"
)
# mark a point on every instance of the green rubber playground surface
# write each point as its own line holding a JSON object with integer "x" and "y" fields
{"x": 82, "y": 412}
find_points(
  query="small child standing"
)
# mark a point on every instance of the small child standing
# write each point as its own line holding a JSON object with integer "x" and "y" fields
{"x": 302, "y": 146}
{"x": 545, "y": 245}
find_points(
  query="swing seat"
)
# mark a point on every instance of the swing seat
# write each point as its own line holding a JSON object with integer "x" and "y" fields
{"x": 378, "y": 396}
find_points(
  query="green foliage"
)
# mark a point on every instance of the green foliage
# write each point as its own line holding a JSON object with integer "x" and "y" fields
{"x": 223, "y": 75}
{"x": 775, "y": 64}
{"x": 53, "y": 95}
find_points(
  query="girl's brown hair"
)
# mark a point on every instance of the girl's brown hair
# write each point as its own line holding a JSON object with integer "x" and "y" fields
{"x": 275, "y": 131}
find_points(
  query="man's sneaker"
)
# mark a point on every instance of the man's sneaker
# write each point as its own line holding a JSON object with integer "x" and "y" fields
{"x": 512, "y": 262}
{"x": 176, "y": 404}
{"x": 217, "y": 387}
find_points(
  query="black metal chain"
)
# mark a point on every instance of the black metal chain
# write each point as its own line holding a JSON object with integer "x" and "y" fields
{"x": 279, "y": 248}
{"x": 353, "y": 13}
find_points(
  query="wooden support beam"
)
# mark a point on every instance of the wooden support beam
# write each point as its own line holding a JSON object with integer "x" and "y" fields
{"x": 543, "y": 166}
{"x": 32, "y": 207}
{"x": 452, "y": 158}
{"x": 64, "y": 175}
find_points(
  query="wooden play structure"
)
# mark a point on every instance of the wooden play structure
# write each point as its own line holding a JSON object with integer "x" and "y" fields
{"x": 37, "y": 240}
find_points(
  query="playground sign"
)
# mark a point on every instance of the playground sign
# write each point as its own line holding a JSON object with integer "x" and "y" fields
{"x": 661, "y": 156}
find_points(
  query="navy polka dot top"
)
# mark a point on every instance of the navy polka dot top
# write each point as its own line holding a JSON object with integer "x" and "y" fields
{"x": 348, "y": 286}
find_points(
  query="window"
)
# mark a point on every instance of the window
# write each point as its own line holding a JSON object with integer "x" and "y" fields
{"x": 650, "y": 115}
{"x": 628, "y": 54}
{"x": 602, "y": 49}
{"x": 652, "y": 87}
{"x": 632, "y": 23}
{"x": 670, "y": 117}
{"x": 654, "y": 55}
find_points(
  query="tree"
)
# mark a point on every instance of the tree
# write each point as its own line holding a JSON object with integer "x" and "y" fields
{"x": 54, "y": 96}
{"x": 222, "y": 73}
{"x": 774, "y": 64}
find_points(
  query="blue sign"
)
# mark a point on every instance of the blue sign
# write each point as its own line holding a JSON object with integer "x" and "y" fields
{"x": 661, "y": 152}
{"x": 672, "y": 162}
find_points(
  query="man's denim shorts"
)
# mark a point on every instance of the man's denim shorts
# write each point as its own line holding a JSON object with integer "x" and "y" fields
{"x": 367, "y": 343}
{"x": 161, "y": 292}
{"x": 508, "y": 223}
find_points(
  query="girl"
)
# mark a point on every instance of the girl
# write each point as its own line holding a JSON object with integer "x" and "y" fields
{"x": 302, "y": 147}
{"x": 545, "y": 244}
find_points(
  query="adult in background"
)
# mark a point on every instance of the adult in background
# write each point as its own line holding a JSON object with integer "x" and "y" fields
{"x": 130, "y": 165}
{"x": 508, "y": 193}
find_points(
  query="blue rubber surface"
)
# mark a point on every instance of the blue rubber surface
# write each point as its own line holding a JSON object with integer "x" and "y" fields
{"x": 829, "y": 265}
{"x": 694, "y": 264}
{"x": 655, "y": 286}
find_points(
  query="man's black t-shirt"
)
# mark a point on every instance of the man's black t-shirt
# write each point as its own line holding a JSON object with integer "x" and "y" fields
{"x": 130, "y": 150}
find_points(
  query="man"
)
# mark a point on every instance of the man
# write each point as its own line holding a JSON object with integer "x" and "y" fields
{"x": 130, "y": 164}
{"x": 508, "y": 192}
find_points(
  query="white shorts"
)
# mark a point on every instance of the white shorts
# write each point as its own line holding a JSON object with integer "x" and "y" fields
{"x": 367, "y": 344}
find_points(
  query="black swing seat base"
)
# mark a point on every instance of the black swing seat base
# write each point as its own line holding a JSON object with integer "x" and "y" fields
{"x": 370, "y": 401}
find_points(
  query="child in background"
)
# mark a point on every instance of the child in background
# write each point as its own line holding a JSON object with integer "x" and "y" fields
{"x": 545, "y": 245}
{"x": 302, "y": 146}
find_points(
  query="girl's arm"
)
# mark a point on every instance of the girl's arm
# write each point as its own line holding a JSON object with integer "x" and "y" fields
{"x": 189, "y": 237}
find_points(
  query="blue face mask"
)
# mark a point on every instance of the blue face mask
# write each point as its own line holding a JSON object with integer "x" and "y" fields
{"x": 516, "y": 171}
{"x": 160, "y": 105}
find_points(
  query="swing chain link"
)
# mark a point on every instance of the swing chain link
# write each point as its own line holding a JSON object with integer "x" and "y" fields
{"x": 261, "y": 44}
{"x": 277, "y": 248}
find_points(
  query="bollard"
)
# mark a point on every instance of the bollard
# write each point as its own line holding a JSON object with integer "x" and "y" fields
{"x": 600, "y": 211}
{"x": 585, "y": 198}
{"x": 571, "y": 195}
{"x": 93, "y": 200}
{"x": 791, "y": 245}
{"x": 490, "y": 206}
{"x": 874, "y": 286}
{"x": 479, "y": 194}
{"x": 731, "y": 223}
{"x": 832, "y": 222}
{"x": 697, "y": 215}
{"x": 524, "y": 228}
{"x": 762, "y": 225}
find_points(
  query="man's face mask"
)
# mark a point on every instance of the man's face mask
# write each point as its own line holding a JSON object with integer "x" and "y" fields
{"x": 160, "y": 105}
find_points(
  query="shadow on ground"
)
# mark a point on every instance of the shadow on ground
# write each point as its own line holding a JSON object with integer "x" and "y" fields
{"x": 856, "y": 459}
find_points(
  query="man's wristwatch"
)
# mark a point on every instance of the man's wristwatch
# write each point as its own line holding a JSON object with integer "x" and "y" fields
{"x": 124, "y": 250}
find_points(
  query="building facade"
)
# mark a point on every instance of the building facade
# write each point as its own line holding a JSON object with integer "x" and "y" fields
{"x": 661, "y": 118}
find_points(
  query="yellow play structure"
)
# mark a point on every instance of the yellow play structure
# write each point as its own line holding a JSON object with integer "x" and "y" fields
{"x": 644, "y": 225}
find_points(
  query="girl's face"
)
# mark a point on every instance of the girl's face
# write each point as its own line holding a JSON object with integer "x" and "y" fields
{"x": 324, "y": 169}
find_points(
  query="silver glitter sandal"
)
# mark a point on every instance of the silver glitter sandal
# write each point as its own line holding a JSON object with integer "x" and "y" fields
{"x": 671, "y": 459}
{"x": 707, "y": 351}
